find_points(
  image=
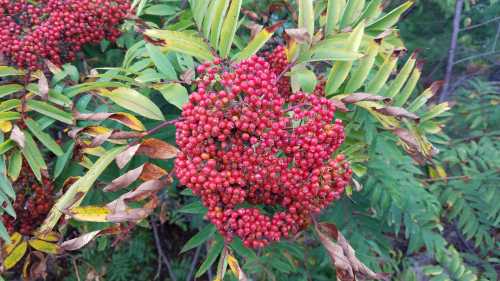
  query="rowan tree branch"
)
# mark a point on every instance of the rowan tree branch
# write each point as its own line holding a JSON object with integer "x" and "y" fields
{"x": 451, "y": 53}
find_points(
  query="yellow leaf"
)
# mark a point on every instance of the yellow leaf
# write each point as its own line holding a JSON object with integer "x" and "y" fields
{"x": 15, "y": 238}
{"x": 5, "y": 126}
{"x": 95, "y": 151}
{"x": 49, "y": 236}
{"x": 90, "y": 213}
{"x": 128, "y": 120}
{"x": 16, "y": 255}
{"x": 233, "y": 264}
{"x": 440, "y": 171}
{"x": 44, "y": 246}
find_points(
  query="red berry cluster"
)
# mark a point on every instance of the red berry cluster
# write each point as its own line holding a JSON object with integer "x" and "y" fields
{"x": 55, "y": 30}
{"x": 278, "y": 60}
{"x": 260, "y": 160}
{"x": 33, "y": 202}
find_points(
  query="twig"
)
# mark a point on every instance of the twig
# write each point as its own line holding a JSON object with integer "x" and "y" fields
{"x": 287, "y": 68}
{"x": 480, "y": 24}
{"x": 490, "y": 53}
{"x": 209, "y": 272}
{"x": 162, "y": 254}
{"x": 76, "y": 270}
{"x": 193, "y": 263}
{"x": 451, "y": 53}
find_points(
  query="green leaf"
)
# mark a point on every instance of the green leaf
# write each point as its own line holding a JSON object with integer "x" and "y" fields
{"x": 209, "y": 18}
{"x": 218, "y": 19}
{"x": 10, "y": 71}
{"x": 5, "y": 184}
{"x": 9, "y": 115}
{"x": 6, "y": 146}
{"x": 333, "y": 12}
{"x": 351, "y": 11}
{"x": 365, "y": 65}
{"x": 9, "y": 104}
{"x": 306, "y": 16}
{"x": 43, "y": 137}
{"x": 330, "y": 54}
{"x": 401, "y": 78}
{"x": 161, "y": 62}
{"x": 160, "y": 10}
{"x": 81, "y": 186}
{"x": 9, "y": 89}
{"x": 33, "y": 155}
{"x": 203, "y": 235}
{"x": 212, "y": 255}
{"x": 255, "y": 44}
{"x": 193, "y": 208}
{"x": 175, "y": 94}
{"x": 390, "y": 18}
{"x": 304, "y": 79}
{"x": 182, "y": 42}
{"x": 50, "y": 111}
{"x": 63, "y": 160}
{"x": 380, "y": 79}
{"x": 134, "y": 101}
{"x": 229, "y": 28}
{"x": 15, "y": 164}
{"x": 340, "y": 70}
{"x": 89, "y": 86}
{"x": 411, "y": 84}
{"x": 5, "y": 236}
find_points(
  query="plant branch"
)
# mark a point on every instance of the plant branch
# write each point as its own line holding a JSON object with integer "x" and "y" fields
{"x": 480, "y": 24}
{"x": 193, "y": 264}
{"x": 451, "y": 53}
{"x": 159, "y": 249}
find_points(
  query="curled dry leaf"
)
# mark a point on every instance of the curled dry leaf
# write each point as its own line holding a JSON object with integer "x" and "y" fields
{"x": 79, "y": 242}
{"x": 43, "y": 86}
{"x": 142, "y": 192}
{"x": 255, "y": 28}
{"x": 357, "y": 97}
{"x": 124, "y": 157}
{"x": 348, "y": 266}
{"x": 236, "y": 269}
{"x": 157, "y": 149}
{"x": 398, "y": 112}
{"x": 300, "y": 35}
{"x": 188, "y": 76}
{"x": 124, "y": 180}
{"x": 18, "y": 136}
{"x": 35, "y": 270}
{"x": 152, "y": 172}
{"x": 124, "y": 118}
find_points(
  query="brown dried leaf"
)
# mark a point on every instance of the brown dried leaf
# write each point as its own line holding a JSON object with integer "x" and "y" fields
{"x": 357, "y": 97}
{"x": 129, "y": 215}
{"x": 255, "y": 28}
{"x": 38, "y": 270}
{"x": 79, "y": 242}
{"x": 43, "y": 86}
{"x": 348, "y": 266}
{"x": 188, "y": 76}
{"x": 17, "y": 136}
{"x": 124, "y": 180}
{"x": 340, "y": 105}
{"x": 152, "y": 172}
{"x": 157, "y": 149}
{"x": 124, "y": 157}
{"x": 398, "y": 112}
{"x": 300, "y": 35}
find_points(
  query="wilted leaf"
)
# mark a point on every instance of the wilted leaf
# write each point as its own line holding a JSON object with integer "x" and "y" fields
{"x": 347, "y": 265}
{"x": 18, "y": 136}
{"x": 357, "y": 97}
{"x": 124, "y": 118}
{"x": 152, "y": 172}
{"x": 398, "y": 112}
{"x": 300, "y": 35}
{"x": 142, "y": 192}
{"x": 43, "y": 86}
{"x": 157, "y": 149}
{"x": 124, "y": 180}
{"x": 236, "y": 269}
{"x": 51, "y": 236}
{"x": 15, "y": 239}
{"x": 79, "y": 242}
{"x": 123, "y": 158}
